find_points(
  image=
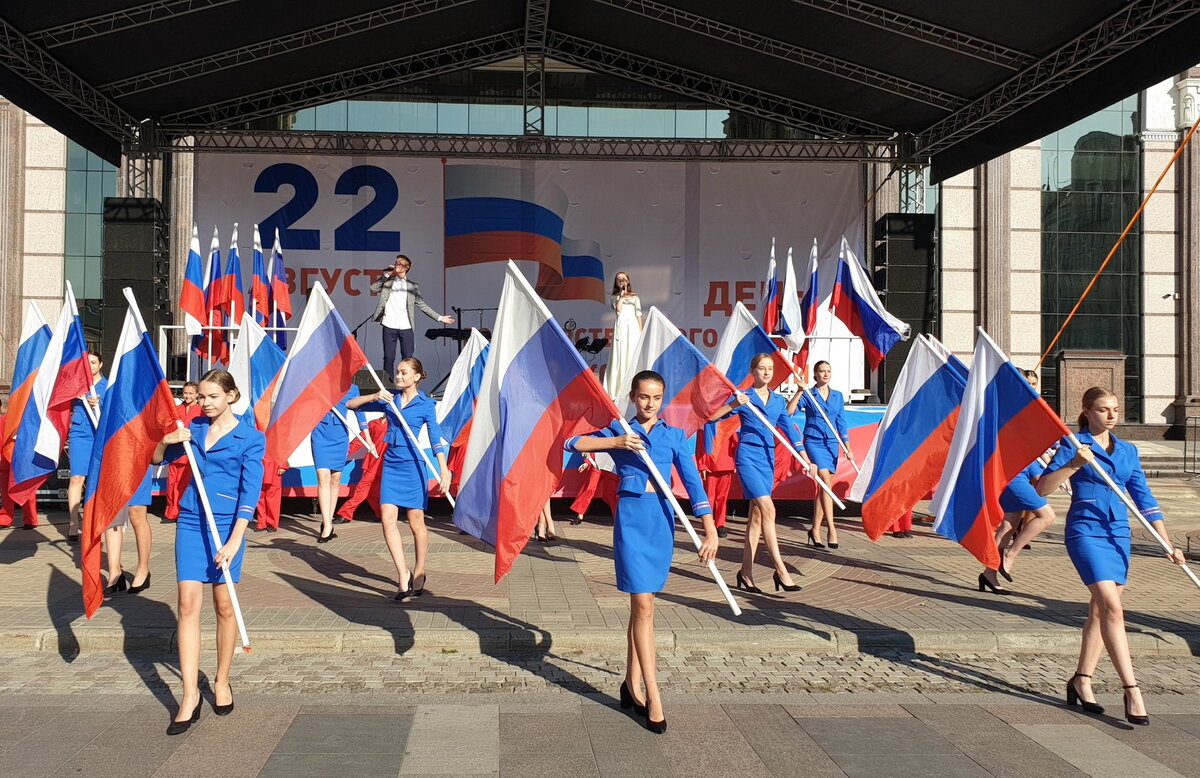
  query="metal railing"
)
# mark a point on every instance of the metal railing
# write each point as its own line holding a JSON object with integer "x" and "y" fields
{"x": 1191, "y": 446}
{"x": 164, "y": 331}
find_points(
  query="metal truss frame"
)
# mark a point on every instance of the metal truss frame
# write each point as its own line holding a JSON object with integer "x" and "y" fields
{"x": 771, "y": 47}
{"x": 924, "y": 31}
{"x": 350, "y": 83}
{"x": 1133, "y": 24}
{"x": 124, "y": 19}
{"x": 710, "y": 89}
{"x": 530, "y": 147}
{"x": 34, "y": 64}
{"x": 286, "y": 44}
{"x": 537, "y": 19}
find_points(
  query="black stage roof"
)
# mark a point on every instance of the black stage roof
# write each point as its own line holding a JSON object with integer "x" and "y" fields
{"x": 954, "y": 82}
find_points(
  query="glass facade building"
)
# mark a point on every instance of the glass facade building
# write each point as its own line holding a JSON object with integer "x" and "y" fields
{"x": 1091, "y": 186}
{"x": 89, "y": 180}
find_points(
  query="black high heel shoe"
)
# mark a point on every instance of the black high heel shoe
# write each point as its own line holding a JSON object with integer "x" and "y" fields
{"x": 1007, "y": 575}
{"x": 179, "y": 727}
{"x": 779, "y": 584}
{"x": 812, "y": 540}
{"x": 143, "y": 586}
{"x": 741, "y": 584}
{"x": 223, "y": 710}
{"x": 417, "y": 591}
{"x": 1142, "y": 721}
{"x": 121, "y": 585}
{"x": 1073, "y": 696}
{"x": 984, "y": 582}
{"x": 405, "y": 591}
{"x": 628, "y": 701}
{"x": 657, "y": 727}
{"x": 326, "y": 538}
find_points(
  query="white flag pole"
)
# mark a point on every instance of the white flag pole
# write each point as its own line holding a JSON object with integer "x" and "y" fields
{"x": 665, "y": 488}
{"x": 788, "y": 445}
{"x": 845, "y": 446}
{"x": 1129, "y": 504}
{"x": 358, "y": 433}
{"x": 411, "y": 436}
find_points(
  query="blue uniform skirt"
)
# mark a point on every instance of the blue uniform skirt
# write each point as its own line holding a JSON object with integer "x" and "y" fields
{"x": 194, "y": 549}
{"x": 823, "y": 453}
{"x": 403, "y": 482}
{"x": 643, "y": 542}
{"x": 756, "y": 469}
{"x": 1099, "y": 558}
{"x": 79, "y": 450}
{"x": 145, "y": 492}
{"x": 1021, "y": 496}
{"x": 330, "y": 443}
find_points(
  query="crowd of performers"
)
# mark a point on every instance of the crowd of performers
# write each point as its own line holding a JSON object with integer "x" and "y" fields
{"x": 244, "y": 489}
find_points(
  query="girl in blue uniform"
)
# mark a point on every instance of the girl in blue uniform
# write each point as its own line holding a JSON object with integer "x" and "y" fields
{"x": 822, "y": 445}
{"x": 330, "y": 450}
{"x": 229, "y": 454}
{"x": 1017, "y": 500}
{"x": 755, "y": 462}
{"x": 79, "y": 446}
{"x": 403, "y": 483}
{"x": 1097, "y": 540}
{"x": 644, "y": 528}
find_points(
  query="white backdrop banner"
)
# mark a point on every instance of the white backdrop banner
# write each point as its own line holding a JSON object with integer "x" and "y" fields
{"x": 693, "y": 236}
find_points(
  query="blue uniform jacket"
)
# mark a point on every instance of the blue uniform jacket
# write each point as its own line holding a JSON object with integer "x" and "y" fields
{"x": 815, "y": 428}
{"x": 420, "y": 411}
{"x": 232, "y": 469}
{"x": 332, "y": 421}
{"x": 1096, "y": 510}
{"x": 667, "y": 446}
{"x": 754, "y": 433}
{"x": 82, "y": 429}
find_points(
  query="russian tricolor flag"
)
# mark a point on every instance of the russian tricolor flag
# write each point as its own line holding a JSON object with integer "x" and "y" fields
{"x": 494, "y": 214}
{"x": 63, "y": 375}
{"x": 260, "y": 285}
{"x": 457, "y": 406}
{"x": 319, "y": 370}
{"x": 909, "y": 450}
{"x": 191, "y": 291}
{"x": 856, "y": 303}
{"x": 232, "y": 301}
{"x": 213, "y": 345}
{"x": 772, "y": 322}
{"x": 281, "y": 297}
{"x": 808, "y": 304}
{"x": 794, "y": 328}
{"x": 582, "y": 273}
{"x": 35, "y": 338}
{"x": 136, "y": 412}
{"x": 255, "y": 364}
{"x": 1003, "y": 425}
{"x": 695, "y": 388}
{"x": 537, "y": 392}
{"x": 740, "y": 341}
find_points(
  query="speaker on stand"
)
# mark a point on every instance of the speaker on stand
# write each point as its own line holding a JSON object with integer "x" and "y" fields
{"x": 136, "y": 255}
{"x": 908, "y": 279}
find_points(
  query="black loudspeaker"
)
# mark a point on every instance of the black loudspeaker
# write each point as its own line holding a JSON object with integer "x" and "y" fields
{"x": 908, "y": 278}
{"x": 137, "y": 256}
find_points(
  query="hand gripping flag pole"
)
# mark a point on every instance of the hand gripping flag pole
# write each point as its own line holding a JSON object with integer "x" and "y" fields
{"x": 845, "y": 446}
{"x": 412, "y": 436}
{"x": 356, "y": 432}
{"x": 1131, "y": 507}
{"x": 802, "y": 460}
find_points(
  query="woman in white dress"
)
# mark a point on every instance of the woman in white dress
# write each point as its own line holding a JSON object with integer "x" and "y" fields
{"x": 625, "y": 335}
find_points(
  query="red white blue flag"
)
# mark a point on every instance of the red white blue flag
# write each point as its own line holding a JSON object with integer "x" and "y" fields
{"x": 457, "y": 406}
{"x": 694, "y": 387}
{"x": 856, "y": 303}
{"x": 772, "y": 321}
{"x": 740, "y": 341}
{"x": 1003, "y": 425}
{"x": 808, "y": 303}
{"x": 319, "y": 370}
{"x": 260, "y": 285}
{"x": 255, "y": 364}
{"x": 281, "y": 298}
{"x": 910, "y": 447}
{"x": 191, "y": 291}
{"x": 232, "y": 301}
{"x": 213, "y": 345}
{"x": 137, "y": 410}
{"x": 536, "y": 392}
{"x": 21, "y": 417}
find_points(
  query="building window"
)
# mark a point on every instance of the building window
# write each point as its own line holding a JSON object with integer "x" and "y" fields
{"x": 89, "y": 180}
{"x": 1091, "y": 186}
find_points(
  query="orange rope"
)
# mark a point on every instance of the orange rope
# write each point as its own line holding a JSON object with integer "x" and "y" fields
{"x": 1112, "y": 252}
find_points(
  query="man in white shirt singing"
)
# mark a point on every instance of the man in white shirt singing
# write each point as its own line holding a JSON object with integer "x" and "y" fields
{"x": 398, "y": 300}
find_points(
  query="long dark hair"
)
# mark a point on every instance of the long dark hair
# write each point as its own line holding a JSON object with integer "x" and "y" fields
{"x": 629, "y": 283}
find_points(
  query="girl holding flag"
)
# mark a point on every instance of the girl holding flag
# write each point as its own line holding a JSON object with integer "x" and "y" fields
{"x": 821, "y": 443}
{"x": 644, "y": 528}
{"x": 330, "y": 451}
{"x": 1098, "y": 541}
{"x": 229, "y": 455}
{"x": 403, "y": 483}
{"x": 755, "y": 459}
{"x": 79, "y": 445}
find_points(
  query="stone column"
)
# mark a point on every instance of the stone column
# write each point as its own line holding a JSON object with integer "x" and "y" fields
{"x": 993, "y": 240}
{"x": 12, "y": 228}
{"x": 183, "y": 165}
{"x": 1187, "y": 253}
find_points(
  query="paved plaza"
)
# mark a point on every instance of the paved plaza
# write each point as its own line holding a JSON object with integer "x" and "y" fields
{"x": 889, "y": 662}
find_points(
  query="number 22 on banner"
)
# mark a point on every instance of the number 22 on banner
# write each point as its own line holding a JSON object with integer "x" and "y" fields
{"x": 354, "y": 234}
